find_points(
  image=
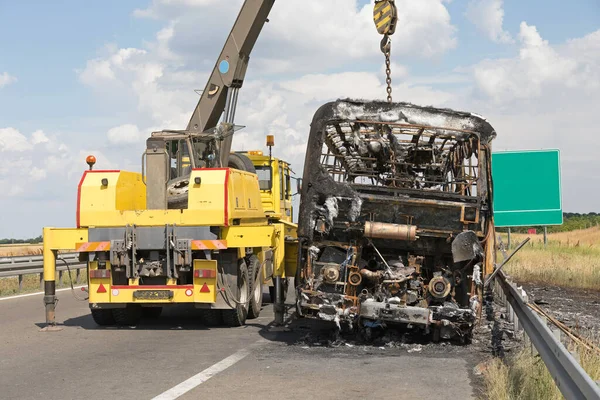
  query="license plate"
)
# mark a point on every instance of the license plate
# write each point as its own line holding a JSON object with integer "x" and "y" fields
{"x": 153, "y": 294}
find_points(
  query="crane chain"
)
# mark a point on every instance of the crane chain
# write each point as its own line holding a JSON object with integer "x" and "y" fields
{"x": 386, "y": 48}
{"x": 388, "y": 80}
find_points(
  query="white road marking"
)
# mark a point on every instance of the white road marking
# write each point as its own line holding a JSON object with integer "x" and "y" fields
{"x": 36, "y": 293}
{"x": 208, "y": 373}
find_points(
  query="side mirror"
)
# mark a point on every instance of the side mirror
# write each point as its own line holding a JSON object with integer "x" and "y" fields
{"x": 298, "y": 185}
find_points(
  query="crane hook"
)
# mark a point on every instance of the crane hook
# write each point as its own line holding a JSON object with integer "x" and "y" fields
{"x": 386, "y": 44}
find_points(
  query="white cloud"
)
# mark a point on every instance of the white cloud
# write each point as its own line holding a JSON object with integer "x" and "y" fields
{"x": 539, "y": 66}
{"x": 37, "y": 173}
{"x": 6, "y": 79}
{"x": 124, "y": 134}
{"x": 11, "y": 140}
{"x": 100, "y": 71}
{"x": 488, "y": 17}
{"x": 330, "y": 34}
{"x": 39, "y": 137}
{"x": 157, "y": 6}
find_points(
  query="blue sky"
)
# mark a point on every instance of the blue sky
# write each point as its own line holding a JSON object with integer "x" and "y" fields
{"x": 82, "y": 77}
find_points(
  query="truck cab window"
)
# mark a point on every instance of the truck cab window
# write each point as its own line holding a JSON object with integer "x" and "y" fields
{"x": 264, "y": 177}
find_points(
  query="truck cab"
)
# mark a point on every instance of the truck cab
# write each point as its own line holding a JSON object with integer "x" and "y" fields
{"x": 274, "y": 178}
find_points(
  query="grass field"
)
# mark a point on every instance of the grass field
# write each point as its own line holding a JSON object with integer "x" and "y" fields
{"x": 571, "y": 259}
{"x": 580, "y": 238}
{"x": 31, "y": 283}
{"x": 13, "y": 250}
{"x": 525, "y": 377}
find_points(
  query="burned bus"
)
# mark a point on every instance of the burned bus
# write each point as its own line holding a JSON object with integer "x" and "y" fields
{"x": 395, "y": 222}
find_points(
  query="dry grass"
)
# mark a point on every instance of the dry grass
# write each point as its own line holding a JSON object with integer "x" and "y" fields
{"x": 525, "y": 376}
{"x": 13, "y": 250}
{"x": 31, "y": 283}
{"x": 571, "y": 259}
{"x": 584, "y": 237}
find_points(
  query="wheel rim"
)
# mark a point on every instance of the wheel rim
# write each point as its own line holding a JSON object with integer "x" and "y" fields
{"x": 244, "y": 294}
{"x": 258, "y": 291}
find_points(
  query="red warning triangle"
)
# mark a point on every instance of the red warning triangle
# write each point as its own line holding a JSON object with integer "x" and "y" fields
{"x": 101, "y": 289}
{"x": 205, "y": 289}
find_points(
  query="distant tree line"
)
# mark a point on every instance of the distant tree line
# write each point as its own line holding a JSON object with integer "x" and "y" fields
{"x": 571, "y": 222}
{"x": 19, "y": 241}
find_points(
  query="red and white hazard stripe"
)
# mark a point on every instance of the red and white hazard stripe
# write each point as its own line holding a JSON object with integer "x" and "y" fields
{"x": 209, "y": 244}
{"x": 92, "y": 246}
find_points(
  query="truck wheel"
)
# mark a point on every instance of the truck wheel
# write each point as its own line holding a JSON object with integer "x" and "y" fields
{"x": 237, "y": 315}
{"x": 286, "y": 282}
{"x": 151, "y": 312}
{"x": 211, "y": 317}
{"x": 241, "y": 162}
{"x": 103, "y": 317}
{"x": 254, "y": 271}
{"x": 130, "y": 315}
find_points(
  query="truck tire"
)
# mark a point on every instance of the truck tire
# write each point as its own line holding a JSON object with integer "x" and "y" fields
{"x": 151, "y": 312}
{"x": 103, "y": 317}
{"x": 237, "y": 315}
{"x": 241, "y": 162}
{"x": 177, "y": 193}
{"x": 211, "y": 317}
{"x": 254, "y": 271}
{"x": 130, "y": 315}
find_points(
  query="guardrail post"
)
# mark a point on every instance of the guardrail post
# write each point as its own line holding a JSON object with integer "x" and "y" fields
{"x": 60, "y": 278}
{"x": 20, "y": 283}
{"x": 41, "y": 281}
{"x": 77, "y": 274}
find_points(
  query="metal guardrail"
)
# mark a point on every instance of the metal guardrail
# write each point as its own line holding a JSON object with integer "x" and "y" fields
{"x": 27, "y": 265}
{"x": 569, "y": 376}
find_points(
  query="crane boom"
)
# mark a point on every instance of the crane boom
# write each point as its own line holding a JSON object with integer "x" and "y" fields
{"x": 227, "y": 77}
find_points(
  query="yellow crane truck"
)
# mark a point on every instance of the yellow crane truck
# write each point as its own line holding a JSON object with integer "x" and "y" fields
{"x": 216, "y": 252}
{"x": 200, "y": 224}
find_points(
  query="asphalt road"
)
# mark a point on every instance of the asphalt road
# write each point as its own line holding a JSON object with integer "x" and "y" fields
{"x": 177, "y": 357}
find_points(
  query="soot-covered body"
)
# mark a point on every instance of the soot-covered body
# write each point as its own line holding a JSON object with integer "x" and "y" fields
{"x": 395, "y": 220}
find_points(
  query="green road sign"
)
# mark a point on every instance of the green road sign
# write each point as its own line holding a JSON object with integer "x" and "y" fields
{"x": 527, "y": 188}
